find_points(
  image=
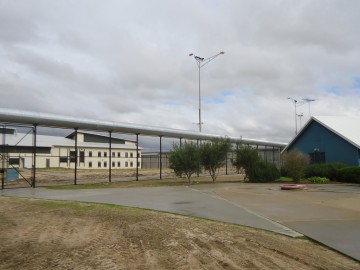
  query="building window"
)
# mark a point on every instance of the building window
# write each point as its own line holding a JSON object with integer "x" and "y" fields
{"x": 126, "y": 154}
{"x": 63, "y": 159}
{"x": 105, "y": 154}
{"x": 317, "y": 157}
{"x": 113, "y": 154}
{"x": 99, "y": 154}
{"x": 105, "y": 164}
{"x": 119, "y": 154}
{"x": 90, "y": 164}
{"x": 14, "y": 161}
{"x": 72, "y": 156}
{"x": 131, "y": 154}
{"x": 126, "y": 164}
{"x": 99, "y": 164}
{"x": 90, "y": 153}
{"x": 113, "y": 164}
{"x": 118, "y": 163}
{"x": 131, "y": 164}
{"x": 82, "y": 156}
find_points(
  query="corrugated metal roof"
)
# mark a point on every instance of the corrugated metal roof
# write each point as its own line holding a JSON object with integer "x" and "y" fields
{"x": 345, "y": 127}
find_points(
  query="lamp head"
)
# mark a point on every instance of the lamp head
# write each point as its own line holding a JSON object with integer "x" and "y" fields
{"x": 191, "y": 54}
{"x": 222, "y": 52}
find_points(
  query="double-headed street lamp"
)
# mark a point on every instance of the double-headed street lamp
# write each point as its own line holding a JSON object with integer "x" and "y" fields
{"x": 299, "y": 103}
{"x": 200, "y": 62}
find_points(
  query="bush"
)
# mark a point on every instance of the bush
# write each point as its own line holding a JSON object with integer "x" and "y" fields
{"x": 213, "y": 155}
{"x": 328, "y": 170}
{"x": 185, "y": 159}
{"x": 349, "y": 174}
{"x": 317, "y": 179}
{"x": 264, "y": 172}
{"x": 246, "y": 158}
{"x": 295, "y": 164}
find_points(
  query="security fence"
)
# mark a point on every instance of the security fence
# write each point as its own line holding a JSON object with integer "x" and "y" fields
{"x": 43, "y": 150}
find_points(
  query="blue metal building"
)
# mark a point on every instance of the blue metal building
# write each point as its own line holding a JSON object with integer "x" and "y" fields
{"x": 329, "y": 139}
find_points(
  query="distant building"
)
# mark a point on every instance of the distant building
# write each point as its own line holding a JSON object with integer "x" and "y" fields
{"x": 329, "y": 139}
{"x": 54, "y": 151}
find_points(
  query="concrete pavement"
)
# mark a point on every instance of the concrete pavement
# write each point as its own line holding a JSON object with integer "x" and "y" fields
{"x": 329, "y": 214}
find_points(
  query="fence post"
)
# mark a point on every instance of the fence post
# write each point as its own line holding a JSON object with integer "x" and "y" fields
{"x": 110, "y": 154}
{"x": 33, "y": 180}
{"x": 137, "y": 156}
{"x": 76, "y": 156}
{"x": 160, "y": 161}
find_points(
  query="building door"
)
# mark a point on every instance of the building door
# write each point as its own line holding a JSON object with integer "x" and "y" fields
{"x": 48, "y": 163}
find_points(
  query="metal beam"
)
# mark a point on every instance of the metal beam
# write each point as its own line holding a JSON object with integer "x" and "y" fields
{"x": 50, "y": 120}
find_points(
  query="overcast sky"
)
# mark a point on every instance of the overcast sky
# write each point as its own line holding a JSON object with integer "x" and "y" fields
{"x": 128, "y": 61}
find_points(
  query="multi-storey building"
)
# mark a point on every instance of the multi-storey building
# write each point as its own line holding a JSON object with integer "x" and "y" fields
{"x": 94, "y": 151}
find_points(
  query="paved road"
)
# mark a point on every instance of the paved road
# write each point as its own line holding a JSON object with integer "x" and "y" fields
{"x": 327, "y": 213}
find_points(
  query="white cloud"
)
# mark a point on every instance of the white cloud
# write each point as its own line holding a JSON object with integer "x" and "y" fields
{"x": 128, "y": 61}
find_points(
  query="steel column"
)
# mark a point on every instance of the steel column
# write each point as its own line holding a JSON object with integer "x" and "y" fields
{"x": 3, "y": 158}
{"x": 137, "y": 157}
{"x": 160, "y": 162}
{"x": 110, "y": 154}
{"x": 76, "y": 156}
{"x": 33, "y": 180}
{"x": 266, "y": 159}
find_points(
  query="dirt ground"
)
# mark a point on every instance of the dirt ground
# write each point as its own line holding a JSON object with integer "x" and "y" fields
{"x": 40, "y": 234}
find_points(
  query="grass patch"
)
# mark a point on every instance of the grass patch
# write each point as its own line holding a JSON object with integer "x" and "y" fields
{"x": 284, "y": 179}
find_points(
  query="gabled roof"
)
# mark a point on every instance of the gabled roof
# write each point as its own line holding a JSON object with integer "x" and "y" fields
{"x": 345, "y": 127}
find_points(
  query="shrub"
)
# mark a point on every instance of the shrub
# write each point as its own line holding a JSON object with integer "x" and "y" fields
{"x": 328, "y": 170}
{"x": 213, "y": 155}
{"x": 295, "y": 164}
{"x": 349, "y": 174}
{"x": 317, "y": 179}
{"x": 264, "y": 172}
{"x": 185, "y": 159}
{"x": 246, "y": 158}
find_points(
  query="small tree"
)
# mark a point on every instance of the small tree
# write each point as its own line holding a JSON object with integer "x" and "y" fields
{"x": 184, "y": 159}
{"x": 295, "y": 163}
{"x": 246, "y": 158}
{"x": 213, "y": 155}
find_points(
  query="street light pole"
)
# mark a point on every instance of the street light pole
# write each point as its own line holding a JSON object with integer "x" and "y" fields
{"x": 295, "y": 105}
{"x": 300, "y": 115}
{"x": 200, "y": 62}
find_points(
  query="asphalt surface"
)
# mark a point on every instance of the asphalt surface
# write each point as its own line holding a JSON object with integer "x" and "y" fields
{"x": 329, "y": 214}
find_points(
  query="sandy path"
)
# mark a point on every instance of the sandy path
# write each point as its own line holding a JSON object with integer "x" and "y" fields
{"x": 38, "y": 234}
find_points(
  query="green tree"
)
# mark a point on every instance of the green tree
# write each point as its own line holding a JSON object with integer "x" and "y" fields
{"x": 294, "y": 164}
{"x": 184, "y": 159}
{"x": 246, "y": 158}
{"x": 213, "y": 155}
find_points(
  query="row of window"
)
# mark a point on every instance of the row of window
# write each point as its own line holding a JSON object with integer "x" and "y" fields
{"x": 113, "y": 164}
{"x": 113, "y": 154}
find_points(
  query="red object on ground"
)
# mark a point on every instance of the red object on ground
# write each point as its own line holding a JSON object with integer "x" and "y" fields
{"x": 292, "y": 186}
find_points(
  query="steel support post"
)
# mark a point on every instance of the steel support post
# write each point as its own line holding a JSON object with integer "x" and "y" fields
{"x": 3, "y": 158}
{"x": 76, "y": 156}
{"x": 160, "y": 161}
{"x": 198, "y": 171}
{"x": 33, "y": 180}
{"x": 265, "y": 153}
{"x": 274, "y": 155}
{"x": 137, "y": 156}
{"x": 110, "y": 154}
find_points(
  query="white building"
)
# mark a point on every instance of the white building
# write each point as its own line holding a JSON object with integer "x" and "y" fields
{"x": 93, "y": 151}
